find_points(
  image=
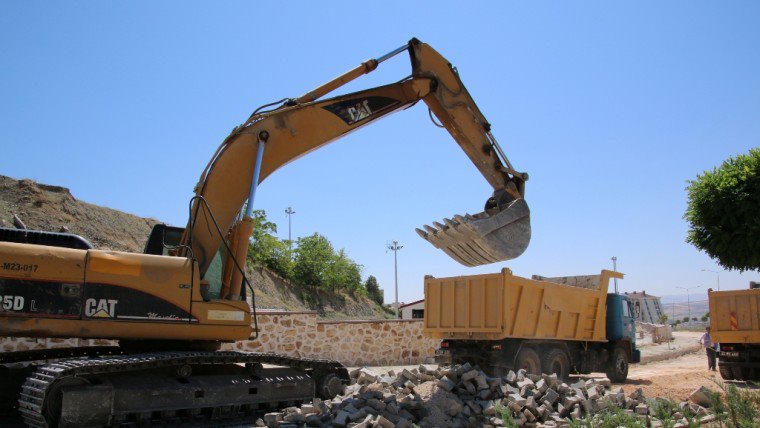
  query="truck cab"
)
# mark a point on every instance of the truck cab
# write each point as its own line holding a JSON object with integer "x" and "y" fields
{"x": 621, "y": 322}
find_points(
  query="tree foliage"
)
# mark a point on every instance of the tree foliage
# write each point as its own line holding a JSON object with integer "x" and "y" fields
{"x": 266, "y": 249}
{"x": 724, "y": 212}
{"x": 312, "y": 264}
{"x": 373, "y": 290}
{"x": 312, "y": 259}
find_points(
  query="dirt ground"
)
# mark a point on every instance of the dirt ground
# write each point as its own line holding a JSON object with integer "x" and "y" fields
{"x": 676, "y": 378}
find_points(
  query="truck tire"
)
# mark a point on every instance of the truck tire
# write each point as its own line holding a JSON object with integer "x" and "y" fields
{"x": 726, "y": 373}
{"x": 740, "y": 373}
{"x": 528, "y": 360}
{"x": 555, "y": 360}
{"x": 617, "y": 367}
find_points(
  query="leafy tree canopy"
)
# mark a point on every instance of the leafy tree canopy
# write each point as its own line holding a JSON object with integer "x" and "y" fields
{"x": 373, "y": 290}
{"x": 723, "y": 212}
{"x": 313, "y": 263}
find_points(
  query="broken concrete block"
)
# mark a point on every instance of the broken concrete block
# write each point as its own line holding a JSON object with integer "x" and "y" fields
{"x": 446, "y": 384}
{"x": 642, "y": 409}
{"x": 529, "y": 415}
{"x": 481, "y": 382}
{"x": 526, "y": 383}
{"x": 592, "y": 393}
{"x": 341, "y": 419}
{"x": 702, "y": 396}
{"x": 550, "y": 396}
{"x": 471, "y": 374}
{"x": 384, "y": 423}
{"x": 488, "y": 408}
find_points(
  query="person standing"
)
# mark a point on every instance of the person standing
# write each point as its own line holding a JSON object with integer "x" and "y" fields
{"x": 710, "y": 348}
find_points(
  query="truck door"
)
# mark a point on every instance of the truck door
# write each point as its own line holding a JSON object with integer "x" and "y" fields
{"x": 620, "y": 321}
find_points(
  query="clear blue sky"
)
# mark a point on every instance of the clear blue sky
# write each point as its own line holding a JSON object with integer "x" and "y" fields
{"x": 610, "y": 106}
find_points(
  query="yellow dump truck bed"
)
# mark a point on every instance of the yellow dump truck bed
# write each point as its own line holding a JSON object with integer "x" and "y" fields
{"x": 735, "y": 316}
{"x": 502, "y": 305}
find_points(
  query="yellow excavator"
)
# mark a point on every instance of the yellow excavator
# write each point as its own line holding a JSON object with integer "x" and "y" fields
{"x": 173, "y": 305}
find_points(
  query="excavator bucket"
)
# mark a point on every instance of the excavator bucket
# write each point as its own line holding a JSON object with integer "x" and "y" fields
{"x": 488, "y": 237}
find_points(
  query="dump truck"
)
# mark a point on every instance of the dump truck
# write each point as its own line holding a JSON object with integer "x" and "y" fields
{"x": 559, "y": 325}
{"x": 735, "y": 326}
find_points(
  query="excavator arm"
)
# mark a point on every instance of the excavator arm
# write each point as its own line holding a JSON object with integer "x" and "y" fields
{"x": 270, "y": 139}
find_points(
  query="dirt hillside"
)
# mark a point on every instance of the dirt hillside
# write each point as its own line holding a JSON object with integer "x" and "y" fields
{"x": 54, "y": 208}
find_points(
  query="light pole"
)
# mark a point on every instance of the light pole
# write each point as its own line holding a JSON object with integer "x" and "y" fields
{"x": 289, "y": 212}
{"x": 394, "y": 246}
{"x": 717, "y": 276}
{"x": 614, "y": 267}
{"x": 688, "y": 300}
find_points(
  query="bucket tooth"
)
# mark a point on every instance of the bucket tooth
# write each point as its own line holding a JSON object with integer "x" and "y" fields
{"x": 422, "y": 234}
{"x": 431, "y": 230}
{"x": 486, "y": 237}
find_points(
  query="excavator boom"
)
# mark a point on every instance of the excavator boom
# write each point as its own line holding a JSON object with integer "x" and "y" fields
{"x": 270, "y": 139}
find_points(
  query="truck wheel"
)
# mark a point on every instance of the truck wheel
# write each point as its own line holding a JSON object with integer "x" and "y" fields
{"x": 617, "y": 367}
{"x": 740, "y": 373}
{"x": 528, "y": 360}
{"x": 555, "y": 360}
{"x": 726, "y": 373}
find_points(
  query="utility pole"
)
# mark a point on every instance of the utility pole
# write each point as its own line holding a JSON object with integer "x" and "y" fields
{"x": 688, "y": 300}
{"x": 394, "y": 246}
{"x": 289, "y": 212}
{"x": 717, "y": 276}
{"x": 614, "y": 267}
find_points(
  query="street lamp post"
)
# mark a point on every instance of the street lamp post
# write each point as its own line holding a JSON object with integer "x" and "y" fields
{"x": 688, "y": 300}
{"x": 717, "y": 276}
{"x": 394, "y": 246}
{"x": 614, "y": 267}
{"x": 289, "y": 212}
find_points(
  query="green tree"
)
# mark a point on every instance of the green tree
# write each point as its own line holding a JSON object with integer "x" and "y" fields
{"x": 705, "y": 317}
{"x": 723, "y": 209}
{"x": 373, "y": 290}
{"x": 685, "y": 319}
{"x": 312, "y": 261}
{"x": 663, "y": 318}
{"x": 265, "y": 249}
{"x": 343, "y": 273}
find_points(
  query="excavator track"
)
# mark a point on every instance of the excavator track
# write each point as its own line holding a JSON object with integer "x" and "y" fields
{"x": 89, "y": 380}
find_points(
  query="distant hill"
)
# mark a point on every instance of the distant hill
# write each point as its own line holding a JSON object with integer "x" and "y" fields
{"x": 54, "y": 208}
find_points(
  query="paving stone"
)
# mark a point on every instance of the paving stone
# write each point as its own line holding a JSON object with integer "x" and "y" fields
{"x": 550, "y": 396}
{"x": 471, "y": 374}
{"x": 702, "y": 396}
{"x": 526, "y": 383}
{"x": 446, "y": 384}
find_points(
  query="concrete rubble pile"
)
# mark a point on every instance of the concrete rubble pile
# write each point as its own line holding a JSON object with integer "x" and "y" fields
{"x": 464, "y": 396}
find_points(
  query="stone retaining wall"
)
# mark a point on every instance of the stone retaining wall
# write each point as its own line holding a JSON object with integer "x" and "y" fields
{"x": 301, "y": 334}
{"x": 353, "y": 343}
